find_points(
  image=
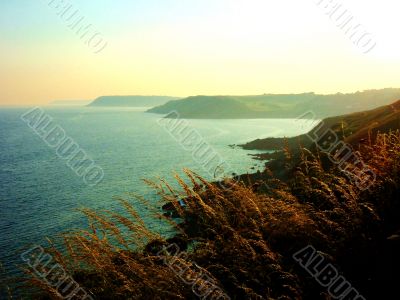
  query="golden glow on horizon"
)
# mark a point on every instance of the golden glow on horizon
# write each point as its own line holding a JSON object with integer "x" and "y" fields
{"x": 265, "y": 47}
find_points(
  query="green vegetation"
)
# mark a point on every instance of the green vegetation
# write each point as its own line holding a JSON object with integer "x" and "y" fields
{"x": 131, "y": 101}
{"x": 351, "y": 128}
{"x": 277, "y": 106}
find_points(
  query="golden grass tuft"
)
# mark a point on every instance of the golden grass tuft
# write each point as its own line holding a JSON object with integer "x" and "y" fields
{"x": 242, "y": 237}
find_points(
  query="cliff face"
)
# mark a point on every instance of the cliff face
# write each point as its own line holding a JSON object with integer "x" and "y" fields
{"x": 131, "y": 101}
{"x": 277, "y": 105}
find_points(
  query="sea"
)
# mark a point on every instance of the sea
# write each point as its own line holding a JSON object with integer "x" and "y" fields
{"x": 40, "y": 195}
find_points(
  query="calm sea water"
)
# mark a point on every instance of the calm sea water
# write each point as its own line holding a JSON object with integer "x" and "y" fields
{"x": 39, "y": 194}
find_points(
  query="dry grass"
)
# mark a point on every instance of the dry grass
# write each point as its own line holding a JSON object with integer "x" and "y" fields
{"x": 243, "y": 237}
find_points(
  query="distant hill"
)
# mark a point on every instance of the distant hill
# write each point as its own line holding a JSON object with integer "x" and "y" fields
{"x": 352, "y": 128}
{"x": 70, "y": 102}
{"x": 277, "y": 105}
{"x": 131, "y": 101}
{"x": 207, "y": 107}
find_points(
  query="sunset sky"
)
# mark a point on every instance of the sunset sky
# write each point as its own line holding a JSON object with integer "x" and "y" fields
{"x": 191, "y": 47}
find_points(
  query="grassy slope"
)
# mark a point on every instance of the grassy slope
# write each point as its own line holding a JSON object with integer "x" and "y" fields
{"x": 352, "y": 128}
{"x": 277, "y": 106}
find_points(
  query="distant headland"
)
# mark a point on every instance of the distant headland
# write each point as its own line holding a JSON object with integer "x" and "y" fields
{"x": 131, "y": 101}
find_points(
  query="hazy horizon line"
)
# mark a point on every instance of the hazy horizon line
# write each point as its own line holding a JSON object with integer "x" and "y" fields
{"x": 194, "y": 95}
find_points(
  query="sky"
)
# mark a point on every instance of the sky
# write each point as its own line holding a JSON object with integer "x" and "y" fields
{"x": 191, "y": 47}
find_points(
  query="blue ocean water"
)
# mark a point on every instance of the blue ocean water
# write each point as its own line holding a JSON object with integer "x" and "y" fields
{"x": 39, "y": 194}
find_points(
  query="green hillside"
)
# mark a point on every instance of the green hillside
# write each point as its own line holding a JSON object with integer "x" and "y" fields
{"x": 351, "y": 128}
{"x": 277, "y": 105}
